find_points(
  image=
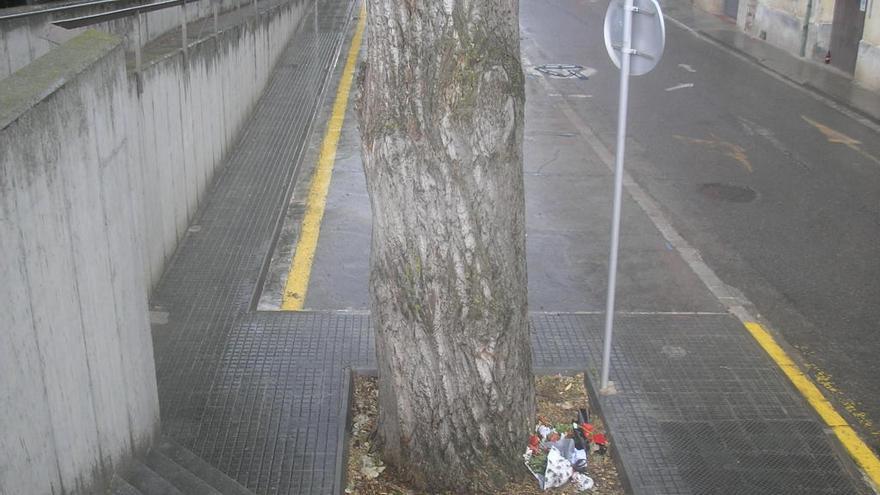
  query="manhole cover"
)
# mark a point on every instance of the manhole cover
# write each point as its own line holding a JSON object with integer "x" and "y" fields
{"x": 727, "y": 192}
{"x": 565, "y": 71}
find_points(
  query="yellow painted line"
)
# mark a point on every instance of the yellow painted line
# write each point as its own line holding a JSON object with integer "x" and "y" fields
{"x": 833, "y": 136}
{"x": 860, "y": 452}
{"x": 301, "y": 268}
{"x": 731, "y": 150}
{"x": 838, "y": 137}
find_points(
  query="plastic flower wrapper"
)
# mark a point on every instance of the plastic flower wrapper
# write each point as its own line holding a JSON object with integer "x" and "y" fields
{"x": 544, "y": 431}
{"x": 537, "y": 463}
{"x": 558, "y": 471}
{"x": 578, "y": 460}
{"x": 582, "y": 482}
{"x": 552, "y": 468}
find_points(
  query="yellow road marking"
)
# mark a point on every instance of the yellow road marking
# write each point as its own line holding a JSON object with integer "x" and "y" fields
{"x": 731, "y": 150}
{"x": 860, "y": 452}
{"x": 824, "y": 380}
{"x": 301, "y": 268}
{"x": 838, "y": 137}
{"x": 830, "y": 134}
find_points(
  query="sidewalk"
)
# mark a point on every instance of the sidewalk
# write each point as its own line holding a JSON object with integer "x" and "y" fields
{"x": 264, "y": 396}
{"x": 820, "y": 79}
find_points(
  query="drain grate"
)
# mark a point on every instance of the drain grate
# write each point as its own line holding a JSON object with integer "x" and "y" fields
{"x": 727, "y": 192}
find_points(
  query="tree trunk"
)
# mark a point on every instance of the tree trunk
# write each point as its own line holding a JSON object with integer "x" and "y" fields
{"x": 441, "y": 121}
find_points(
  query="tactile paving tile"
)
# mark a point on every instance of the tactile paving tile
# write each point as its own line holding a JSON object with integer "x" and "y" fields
{"x": 701, "y": 409}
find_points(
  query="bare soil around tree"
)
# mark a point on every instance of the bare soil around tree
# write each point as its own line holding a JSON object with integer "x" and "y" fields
{"x": 558, "y": 399}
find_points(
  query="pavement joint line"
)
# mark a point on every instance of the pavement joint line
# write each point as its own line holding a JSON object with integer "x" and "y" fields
{"x": 776, "y": 75}
{"x": 863, "y": 456}
{"x": 297, "y": 283}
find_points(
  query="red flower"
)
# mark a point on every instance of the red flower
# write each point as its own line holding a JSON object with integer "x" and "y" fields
{"x": 599, "y": 439}
{"x": 587, "y": 428}
{"x": 534, "y": 442}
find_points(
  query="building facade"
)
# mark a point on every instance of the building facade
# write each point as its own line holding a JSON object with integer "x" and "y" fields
{"x": 843, "y": 33}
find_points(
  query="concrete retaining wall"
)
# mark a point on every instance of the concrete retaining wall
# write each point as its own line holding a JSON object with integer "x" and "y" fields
{"x": 192, "y": 109}
{"x": 99, "y": 177}
{"x": 77, "y": 379}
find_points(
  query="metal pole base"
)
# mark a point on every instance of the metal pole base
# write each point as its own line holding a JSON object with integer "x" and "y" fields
{"x": 609, "y": 389}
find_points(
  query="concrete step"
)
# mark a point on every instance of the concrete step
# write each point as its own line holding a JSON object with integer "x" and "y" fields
{"x": 177, "y": 475}
{"x": 170, "y": 469}
{"x": 196, "y": 466}
{"x": 119, "y": 486}
{"x": 149, "y": 482}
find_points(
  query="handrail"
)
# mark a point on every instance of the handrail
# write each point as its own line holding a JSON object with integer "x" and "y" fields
{"x": 63, "y": 8}
{"x": 137, "y": 10}
{"x": 88, "y": 20}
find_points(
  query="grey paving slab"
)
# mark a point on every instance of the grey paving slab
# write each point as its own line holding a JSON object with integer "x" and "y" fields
{"x": 700, "y": 408}
{"x": 272, "y": 415}
{"x": 279, "y": 389}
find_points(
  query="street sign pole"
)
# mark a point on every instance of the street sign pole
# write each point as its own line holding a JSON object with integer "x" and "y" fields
{"x": 626, "y": 54}
{"x": 643, "y": 37}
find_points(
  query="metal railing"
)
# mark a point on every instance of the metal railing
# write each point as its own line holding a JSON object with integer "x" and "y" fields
{"x": 63, "y": 8}
{"x": 88, "y": 20}
{"x": 137, "y": 11}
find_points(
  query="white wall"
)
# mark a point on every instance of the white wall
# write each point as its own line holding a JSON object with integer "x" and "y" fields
{"x": 192, "y": 109}
{"x": 868, "y": 64}
{"x": 98, "y": 182}
{"x": 780, "y": 22}
{"x": 77, "y": 379}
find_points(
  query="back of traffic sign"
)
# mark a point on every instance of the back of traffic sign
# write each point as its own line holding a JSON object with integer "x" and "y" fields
{"x": 648, "y": 34}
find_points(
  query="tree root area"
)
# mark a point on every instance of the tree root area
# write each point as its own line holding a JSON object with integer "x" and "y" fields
{"x": 558, "y": 398}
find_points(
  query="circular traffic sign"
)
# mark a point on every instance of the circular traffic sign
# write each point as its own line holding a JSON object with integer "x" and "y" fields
{"x": 648, "y": 34}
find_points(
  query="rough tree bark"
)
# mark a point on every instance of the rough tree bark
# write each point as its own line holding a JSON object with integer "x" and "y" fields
{"x": 441, "y": 122}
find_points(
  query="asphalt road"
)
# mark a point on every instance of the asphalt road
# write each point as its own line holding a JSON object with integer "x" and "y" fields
{"x": 778, "y": 191}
